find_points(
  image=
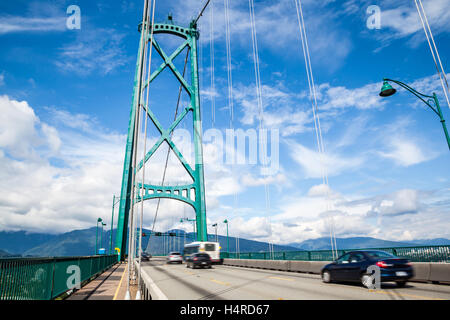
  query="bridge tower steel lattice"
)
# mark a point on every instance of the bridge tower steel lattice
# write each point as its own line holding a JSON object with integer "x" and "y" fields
{"x": 182, "y": 193}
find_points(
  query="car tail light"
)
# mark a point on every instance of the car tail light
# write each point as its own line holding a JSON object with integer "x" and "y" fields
{"x": 382, "y": 264}
{"x": 195, "y": 259}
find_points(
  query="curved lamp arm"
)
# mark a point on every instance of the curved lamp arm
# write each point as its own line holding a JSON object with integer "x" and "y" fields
{"x": 417, "y": 94}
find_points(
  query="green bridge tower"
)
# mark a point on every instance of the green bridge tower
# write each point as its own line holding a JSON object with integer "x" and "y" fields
{"x": 192, "y": 194}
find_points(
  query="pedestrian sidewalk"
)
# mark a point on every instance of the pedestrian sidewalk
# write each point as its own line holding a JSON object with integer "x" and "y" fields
{"x": 110, "y": 285}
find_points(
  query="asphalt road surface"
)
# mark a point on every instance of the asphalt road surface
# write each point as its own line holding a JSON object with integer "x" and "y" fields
{"x": 234, "y": 283}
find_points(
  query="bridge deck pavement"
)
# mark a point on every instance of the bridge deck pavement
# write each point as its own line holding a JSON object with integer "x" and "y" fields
{"x": 235, "y": 283}
{"x": 110, "y": 285}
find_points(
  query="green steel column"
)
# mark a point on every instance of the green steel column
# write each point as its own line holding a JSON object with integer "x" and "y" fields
{"x": 96, "y": 238}
{"x": 441, "y": 116}
{"x": 200, "y": 207}
{"x": 112, "y": 223}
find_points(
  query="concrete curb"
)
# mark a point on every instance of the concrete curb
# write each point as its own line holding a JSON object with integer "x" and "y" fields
{"x": 423, "y": 271}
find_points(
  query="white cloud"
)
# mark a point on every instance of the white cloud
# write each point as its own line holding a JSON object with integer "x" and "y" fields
{"x": 314, "y": 164}
{"x": 276, "y": 22}
{"x": 398, "y": 203}
{"x": 39, "y": 195}
{"x": 95, "y": 49}
{"x": 14, "y": 24}
{"x": 405, "y": 21}
{"x": 406, "y": 152}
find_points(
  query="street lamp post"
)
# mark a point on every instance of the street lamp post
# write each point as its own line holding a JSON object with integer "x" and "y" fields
{"x": 228, "y": 241}
{"x": 387, "y": 90}
{"x": 101, "y": 235}
{"x": 96, "y": 235}
{"x": 112, "y": 224}
{"x": 215, "y": 225}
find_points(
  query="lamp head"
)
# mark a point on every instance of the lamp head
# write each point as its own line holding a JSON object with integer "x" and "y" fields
{"x": 387, "y": 90}
{"x": 225, "y": 221}
{"x": 99, "y": 220}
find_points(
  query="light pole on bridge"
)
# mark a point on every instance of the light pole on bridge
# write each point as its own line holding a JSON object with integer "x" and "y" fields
{"x": 228, "y": 241}
{"x": 215, "y": 225}
{"x": 96, "y": 235}
{"x": 387, "y": 90}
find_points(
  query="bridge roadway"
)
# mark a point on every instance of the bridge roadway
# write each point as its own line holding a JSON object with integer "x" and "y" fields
{"x": 235, "y": 283}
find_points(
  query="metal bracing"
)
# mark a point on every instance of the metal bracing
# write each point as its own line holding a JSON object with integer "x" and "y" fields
{"x": 191, "y": 194}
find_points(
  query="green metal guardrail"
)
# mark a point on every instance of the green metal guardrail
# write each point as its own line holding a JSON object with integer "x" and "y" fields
{"x": 414, "y": 254}
{"x": 46, "y": 278}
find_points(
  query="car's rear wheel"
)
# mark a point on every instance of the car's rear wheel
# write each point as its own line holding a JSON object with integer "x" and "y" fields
{"x": 400, "y": 284}
{"x": 326, "y": 277}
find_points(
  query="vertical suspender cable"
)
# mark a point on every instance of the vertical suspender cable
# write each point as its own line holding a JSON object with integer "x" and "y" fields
{"x": 434, "y": 53}
{"x": 230, "y": 83}
{"x": 319, "y": 138}
{"x": 262, "y": 135}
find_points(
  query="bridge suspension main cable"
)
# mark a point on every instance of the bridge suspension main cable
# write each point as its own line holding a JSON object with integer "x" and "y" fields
{"x": 319, "y": 138}
{"x": 433, "y": 49}
{"x": 211, "y": 48}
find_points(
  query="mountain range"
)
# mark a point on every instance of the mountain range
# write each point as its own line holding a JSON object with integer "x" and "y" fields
{"x": 82, "y": 242}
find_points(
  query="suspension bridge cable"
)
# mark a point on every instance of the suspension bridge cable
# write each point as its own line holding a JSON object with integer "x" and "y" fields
{"x": 262, "y": 133}
{"x": 230, "y": 87}
{"x": 145, "y": 141}
{"x": 313, "y": 98}
{"x": 211, "y": 48}
{"x": 133, "y": 162}
{"x": 229, "y": 70}
{"x": 201, "y": 12}
{"x": 429, "y": 35}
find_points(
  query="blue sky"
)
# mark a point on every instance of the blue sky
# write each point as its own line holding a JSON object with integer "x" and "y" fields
{"x": 65, "y": 100}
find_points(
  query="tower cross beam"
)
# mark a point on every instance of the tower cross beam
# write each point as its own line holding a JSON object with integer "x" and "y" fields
{"x": 165, "y": 136}
{"x": 168, "y": 61}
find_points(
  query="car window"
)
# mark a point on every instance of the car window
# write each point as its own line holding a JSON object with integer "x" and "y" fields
{"x": 379, "y": 254}
{"x": 210, "y": 247}
{"x": 344, "y": 258}
{"x": 356, "y": 257}
{"x": 174, "y": 253}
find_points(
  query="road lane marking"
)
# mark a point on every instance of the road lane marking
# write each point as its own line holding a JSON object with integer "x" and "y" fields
{"x": 120, "y": 284}
{"x": 405, "y": 295}
{"x": 220, "y": 282}
{"x": 280, "y": 278}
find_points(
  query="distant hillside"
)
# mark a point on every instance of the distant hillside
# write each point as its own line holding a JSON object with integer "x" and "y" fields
{"x": 432, "y": 242}
{"x": 349, "y": 243}
{"x": 5, "y": 254}
{"x": 20, "y": 241}
{"x": 82, "y": 243}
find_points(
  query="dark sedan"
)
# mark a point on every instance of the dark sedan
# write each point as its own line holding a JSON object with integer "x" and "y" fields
{"x": 145, "y": 256}
{"x": 198, "y": 260}
{"x": 352, "y": 266}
